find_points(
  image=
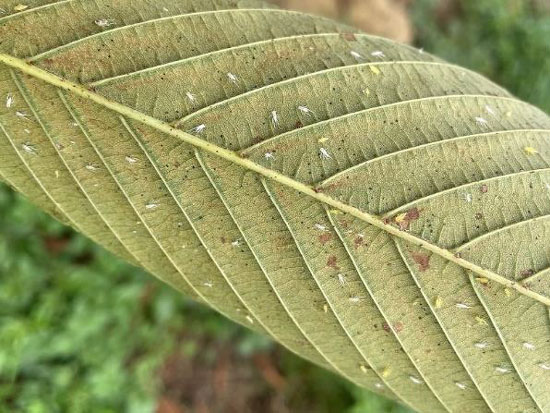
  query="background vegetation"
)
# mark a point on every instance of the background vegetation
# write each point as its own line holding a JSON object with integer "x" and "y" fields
{"x": 80, "y": 331}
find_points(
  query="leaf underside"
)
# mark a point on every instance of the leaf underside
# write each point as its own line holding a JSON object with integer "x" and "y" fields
{"x": 372, "y": 208}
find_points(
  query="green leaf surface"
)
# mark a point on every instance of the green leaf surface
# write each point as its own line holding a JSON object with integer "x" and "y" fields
{"x": 372, "y": 208}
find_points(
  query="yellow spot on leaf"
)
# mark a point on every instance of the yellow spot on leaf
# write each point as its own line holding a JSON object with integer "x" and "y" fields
{"x": 336, "y": 212}
{"x": 401, "y": 218}
{"x": 367, "y": 91}
{"x": 482, "y": 280}
{"x": 322, "y": 140}
{"x": 386, "y": 372}
{"x": 363, "y": 368}
{"x": 508, "y": 292}
{"x": 481, "y": 321}
{"x": 21, "y": 7}
{"x": 374, "y": 70}
{"x": 325, "y": 308}
{"x": 438, "y": 303}
{"x": 529, "y": 150}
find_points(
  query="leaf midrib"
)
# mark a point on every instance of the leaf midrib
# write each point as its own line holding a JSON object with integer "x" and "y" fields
{"x": 234, "y": 158}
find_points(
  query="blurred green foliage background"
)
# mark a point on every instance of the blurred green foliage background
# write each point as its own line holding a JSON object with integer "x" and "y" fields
{"x": 81, "y": 331}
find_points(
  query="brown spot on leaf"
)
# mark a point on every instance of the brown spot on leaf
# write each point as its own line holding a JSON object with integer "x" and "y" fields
{"x": 398, "y": 326}
{"x": 404, "y": 220}
{"x": 324, "y": 238}
{"x": 358, "y": 241}
{"x": 484, "y": 189}
{"x": 479, "y": 216}
{"x": 527, "y": 273}
{"x": 299, "y": 125}
{"x": 422, "y": 260}
{"x": 331, "y": 262}
{"x": 350, "y": 37}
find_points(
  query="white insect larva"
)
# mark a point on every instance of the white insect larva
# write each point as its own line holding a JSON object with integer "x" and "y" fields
{"x": 461, "y": 386}
{"x": 323, "y": 154}
{"x": 199, "y": 129}
{"x": 544, "y": 366}
{"x": 236, "y": 243}
{"x": 22, "y": 115}
{"x": 208, "y": 284}
{"x": 131, "y": 159}
{"x": 305, "y": 110}
{"x": 9, "y": 100}
{"x": 364, "y": 368}
{"x": 481, "y": 345}
{"x": 378, "y": 385}
{"x": 104, "y": 22}
{"x": 468, "y": 197}
{"x": 29, "y": 148}
{"x": 191, "y": 97}
{"x": 28, "y": 132}
{"x": 481, "y": 121}
{"x": 342, "y": 279}
{"x": 152, "y": 205}
{"x": 274, "y": 119}
{"x": 269, "y": 155}
{"x": 354, "y": 300}
{"x": 463, "y": 306}
{"x": 378, "y": 53}
{"x": 528, "y": 346}
{"x": 490, "y": 110}
{"x": 503, "y": 369}
{"x": 548, "y": 186}
{"x": 356, "y": 55}
{"x": 232, "y": 78}
{"x": 415, "y": 380}
{"x": 91, "y": 168}
{"x": 320, "y": 227}
{"x": 250, "y": 319}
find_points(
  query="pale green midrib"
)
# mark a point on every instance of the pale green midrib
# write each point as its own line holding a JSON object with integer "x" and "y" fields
{"x": 54, "y": 50}
{"x": 331, "y": 365}
{"x": 38, "y": 181}
{"x": 382, "y": 312}
{"x": 269, "y": 141}
{"x": 248, "y": 164}
{"x": 327, "y": 299}
{"x": 408, "y": 205}
{"x": 356, "y": 66}
{"x": 38, "y": 118}
{"x": 32, "y": 10}
{"x": 441, "y": 325}
{"x": 123, "y": 191}
{"x": 475, "y": 286}
{"x": 356, "y": 167}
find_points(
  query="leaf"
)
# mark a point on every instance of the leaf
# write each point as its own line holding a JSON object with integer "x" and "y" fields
{"x": 369, "y": 206}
